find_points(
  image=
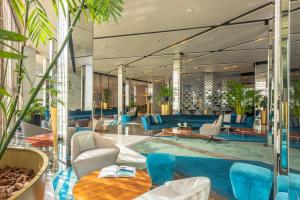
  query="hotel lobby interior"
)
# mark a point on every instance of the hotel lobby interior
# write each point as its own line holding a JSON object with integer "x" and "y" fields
{"x": 150, "y": 99}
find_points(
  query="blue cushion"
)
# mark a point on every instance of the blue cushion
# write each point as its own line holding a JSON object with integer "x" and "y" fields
{"x": 159, "y": 119}
{"x": 151, "y": 118}
{"x": 161, "y": 167}
{"x": 249, "y": 122}
{"x": 77, "y": 129}
{"x": 126, "y": 118}
{"x": 257, "y": 179}
{"x": 233, "y": 118}
{"x": 282, "y": 196}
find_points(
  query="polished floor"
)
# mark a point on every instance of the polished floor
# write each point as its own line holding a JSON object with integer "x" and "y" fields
{"x": 132, "y": 135}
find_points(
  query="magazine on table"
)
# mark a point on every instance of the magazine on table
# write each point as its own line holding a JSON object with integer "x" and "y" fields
{"x": 116, "y": 171}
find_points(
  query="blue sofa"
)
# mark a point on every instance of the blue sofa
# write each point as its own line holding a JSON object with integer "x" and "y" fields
{"x": 87, "y": 114}
{"x": 249, "y": 121}
{"x": 169, "y": 121}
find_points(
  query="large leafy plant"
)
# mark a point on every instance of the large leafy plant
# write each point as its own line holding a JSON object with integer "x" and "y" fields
{"x": 165, "y": 93}
{"x": 240, "y": 98}
{"x": 106, "y": 95}
{"x": 37, "y": 28}
{"x": 295, "y": 98}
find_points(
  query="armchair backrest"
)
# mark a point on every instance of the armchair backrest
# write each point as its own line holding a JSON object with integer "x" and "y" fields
{"x": 220, "y": 121}
{"x": 82, "y": 141}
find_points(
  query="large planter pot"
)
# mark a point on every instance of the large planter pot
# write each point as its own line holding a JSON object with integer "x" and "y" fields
{"x": 263, "y": 115}
{"x": 165, "y": 109}
{"x": 36, "y": 120}
{"x": 104, "y": 105}
{"x": 28, "y": 158}
{"x": 53, "y": 111}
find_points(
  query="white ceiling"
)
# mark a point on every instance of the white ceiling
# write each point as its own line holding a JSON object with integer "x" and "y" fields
{"x": 151, "y": 31}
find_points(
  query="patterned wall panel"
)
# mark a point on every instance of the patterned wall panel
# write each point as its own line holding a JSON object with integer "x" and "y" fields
{"x": 192, "y": 97}
{"x": 203, "y": 91}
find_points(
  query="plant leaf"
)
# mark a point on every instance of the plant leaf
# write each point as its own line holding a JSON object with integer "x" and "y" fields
{"x": 9, "y": 55}
{"x": 39, "y": 26}
{"x": 19, "y": 9}
{"x": 3, "y": 92}
{"x": 11, "y": 36}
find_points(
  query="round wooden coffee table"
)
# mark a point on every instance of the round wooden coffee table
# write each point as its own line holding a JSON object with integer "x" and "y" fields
{"x": 90, "y": 187}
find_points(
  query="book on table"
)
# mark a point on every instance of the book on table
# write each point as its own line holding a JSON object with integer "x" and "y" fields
{"x": 116, "y": 171}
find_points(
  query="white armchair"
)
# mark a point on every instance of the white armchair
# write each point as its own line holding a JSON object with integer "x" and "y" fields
{"x": 29, "y": 130}
{"x": 132, "y": 112}
{"x": 90, "y": 151}
{"x": 212, "y": 129}
{"x": 195, "y": 188}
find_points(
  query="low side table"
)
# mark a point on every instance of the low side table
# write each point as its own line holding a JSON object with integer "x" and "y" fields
{"x": 90, "y": 187}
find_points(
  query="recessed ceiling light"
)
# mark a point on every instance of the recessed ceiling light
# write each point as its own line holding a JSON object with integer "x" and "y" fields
{"x": 196, "y": 67}
{"x": 104, "y": 47}
{"x": 189, "y": 10}
{"x": 231, "y": 67}
{"x": 158, "y": 39}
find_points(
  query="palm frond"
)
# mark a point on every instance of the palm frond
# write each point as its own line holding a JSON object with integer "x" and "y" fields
{"x": 102, "y": 10}
{"x": 19, "y": 9}
{"x": 39, "y": 26}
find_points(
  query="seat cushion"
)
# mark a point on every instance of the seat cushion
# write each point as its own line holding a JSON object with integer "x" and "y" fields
{"x": 86, "y": 142}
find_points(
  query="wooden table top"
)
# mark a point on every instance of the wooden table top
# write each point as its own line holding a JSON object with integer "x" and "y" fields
{"x": 90, "y": 187}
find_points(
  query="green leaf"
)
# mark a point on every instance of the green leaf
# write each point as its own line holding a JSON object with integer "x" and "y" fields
{"x": 18, "y": 8}
{"x": 11, "y": 36}
{"x": 9, "y": 55}
{"x": 39, "y": 26}
{"x": 3, "y": 107}
{"x": 3, "y": 92}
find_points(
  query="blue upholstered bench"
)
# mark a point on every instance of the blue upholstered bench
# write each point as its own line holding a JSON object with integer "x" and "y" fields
{"x": 250, "y": 182}
{"x": 161, "y": 167}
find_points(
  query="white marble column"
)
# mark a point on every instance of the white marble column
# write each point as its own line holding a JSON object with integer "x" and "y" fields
{"x": 62, "y": 71}
{"x": 121, "y": 70}
{"x": 88, "y": 91}
{"x": 176, "y": 82}
{"x": 209, "y": 83}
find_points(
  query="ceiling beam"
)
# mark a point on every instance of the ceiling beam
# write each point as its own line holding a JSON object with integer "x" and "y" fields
{"x": 179, "y": 29}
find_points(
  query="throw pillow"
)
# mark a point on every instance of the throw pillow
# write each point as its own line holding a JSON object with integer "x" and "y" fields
{"x": 86, "y": 142}
{"x": 155, "y": 119}
{"x": 238, "y": 119}
{"x": 151, "y": 118}
{"x": 159, "y": 119}
{"x": 243, "y": 118}
{"x": 227, "y": 118}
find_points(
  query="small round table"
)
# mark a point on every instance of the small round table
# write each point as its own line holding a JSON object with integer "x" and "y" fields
{"x": 90, "y": 187}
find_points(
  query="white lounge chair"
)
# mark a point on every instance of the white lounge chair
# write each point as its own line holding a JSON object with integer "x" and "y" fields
{"x": 195, "y": 188}
{"x": 90, "y": 151}
{"x": 212, "y": 129}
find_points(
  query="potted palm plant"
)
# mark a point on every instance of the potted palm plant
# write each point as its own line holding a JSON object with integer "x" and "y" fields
{"x": 36, "y": 28}
{"x": 263, "y": 111}
{"x": 35, "y": 113}
{"x": 240, "y": 98}
{"x": 163, "y": 99}
{"x": 106, "y": 98}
